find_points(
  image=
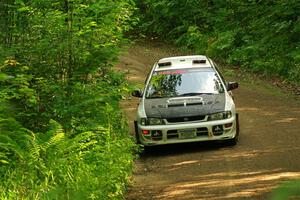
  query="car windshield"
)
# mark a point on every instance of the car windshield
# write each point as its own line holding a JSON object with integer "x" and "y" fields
{"x": 187, "y": 82}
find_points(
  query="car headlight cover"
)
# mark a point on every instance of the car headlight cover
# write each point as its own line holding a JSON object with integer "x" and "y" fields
{"x": 151, "y": 121}
{"x": 220, "y": 116}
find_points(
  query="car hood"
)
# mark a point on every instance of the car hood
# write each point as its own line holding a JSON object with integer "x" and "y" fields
{"x": 184, "y": 106}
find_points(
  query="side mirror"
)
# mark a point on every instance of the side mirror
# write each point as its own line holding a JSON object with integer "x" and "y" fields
{"x": 232, "y": 86}
{"x": 137, "y": 93}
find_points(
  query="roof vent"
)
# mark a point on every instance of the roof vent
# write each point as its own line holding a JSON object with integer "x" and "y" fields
{"x": 199, "y": 61}
{"x": 164, "y": 64}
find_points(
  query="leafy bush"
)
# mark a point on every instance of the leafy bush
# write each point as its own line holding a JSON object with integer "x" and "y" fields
{"x": 193, "y": 39}
{"x": 222, "y": 46}
{"x": 92, "y": 165}
{"x": 62, "y": 135}
{"x": 92, "y": 160}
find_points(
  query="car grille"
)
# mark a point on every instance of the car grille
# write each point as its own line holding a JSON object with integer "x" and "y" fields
{"x": 172, "y": 134}
{"x": 186, "y": 119}
{"x": 202, "y": 132}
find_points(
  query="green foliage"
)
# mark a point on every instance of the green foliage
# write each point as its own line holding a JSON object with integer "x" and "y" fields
{"x": 261, "y": 36}
{"x": 92, "y": 165}
{"x": 288, "y": 190}
{"x": 62, "y": 135}
{"x": 193, "y": 39}
{"x": 223, "y": 45}
{"x": 66, "y": 47}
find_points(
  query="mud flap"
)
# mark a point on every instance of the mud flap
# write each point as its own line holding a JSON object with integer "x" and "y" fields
{"x": 136, "y": 133}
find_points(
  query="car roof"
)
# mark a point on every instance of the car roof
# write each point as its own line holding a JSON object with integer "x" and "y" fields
{"x": 183, "y": 62}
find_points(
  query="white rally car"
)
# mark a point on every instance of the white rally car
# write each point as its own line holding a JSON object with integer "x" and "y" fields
{"x": 186, "y": 99}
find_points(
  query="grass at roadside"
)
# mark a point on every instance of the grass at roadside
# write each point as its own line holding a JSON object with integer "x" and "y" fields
{"x": 287, "y": 191}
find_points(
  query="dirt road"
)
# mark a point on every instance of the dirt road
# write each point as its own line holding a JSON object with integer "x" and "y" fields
{"x": 268, "y": 151}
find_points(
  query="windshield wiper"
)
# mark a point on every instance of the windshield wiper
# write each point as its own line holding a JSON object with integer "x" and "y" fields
{"x": 194, "y": 94}
{"x": 154, "y": 97}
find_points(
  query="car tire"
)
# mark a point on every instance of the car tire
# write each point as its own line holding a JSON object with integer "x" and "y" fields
{"x": 137, "y": 137}
{"x": 233, "y": 141}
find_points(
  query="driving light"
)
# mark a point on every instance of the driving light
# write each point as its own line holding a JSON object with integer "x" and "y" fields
{"x": 220, "y": 116}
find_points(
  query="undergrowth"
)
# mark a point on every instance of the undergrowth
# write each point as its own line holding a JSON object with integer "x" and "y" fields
{"x": 62, "y": 134}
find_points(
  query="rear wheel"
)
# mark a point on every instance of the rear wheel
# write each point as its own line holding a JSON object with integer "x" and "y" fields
{"x": 233, "y": 141}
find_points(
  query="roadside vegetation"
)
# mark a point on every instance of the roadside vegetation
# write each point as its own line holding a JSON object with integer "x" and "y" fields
{"x": 287, "y": 190}
{"x": 259, "y": 36}
{"x": 62, "y": 135}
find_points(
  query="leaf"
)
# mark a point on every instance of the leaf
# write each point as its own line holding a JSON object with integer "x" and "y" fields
{"x": 4, "y": 77}
{"x": 24, "y": 9}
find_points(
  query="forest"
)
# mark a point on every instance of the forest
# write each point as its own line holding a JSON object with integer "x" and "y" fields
{"x": 259, "y": 36}
{"x": 62, "y": 133}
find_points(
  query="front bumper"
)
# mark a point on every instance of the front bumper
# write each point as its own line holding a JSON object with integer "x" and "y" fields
{"x": 187, "y": 132}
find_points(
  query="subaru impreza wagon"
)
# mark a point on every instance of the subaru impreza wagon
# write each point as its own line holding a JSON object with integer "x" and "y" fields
{"x": 186, "y": 99}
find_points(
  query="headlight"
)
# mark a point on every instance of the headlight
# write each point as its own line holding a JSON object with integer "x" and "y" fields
{"x": 220, "y": 116}
{"x": 151, "y": 121}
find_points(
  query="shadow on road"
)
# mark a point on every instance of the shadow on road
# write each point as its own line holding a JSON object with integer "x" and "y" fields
{"x": 177, "y": 149}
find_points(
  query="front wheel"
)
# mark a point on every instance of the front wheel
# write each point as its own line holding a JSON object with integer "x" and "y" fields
{"x": 233, "y": 141}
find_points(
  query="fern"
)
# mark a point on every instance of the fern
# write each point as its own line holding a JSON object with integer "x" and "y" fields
{"x": 14, "y": 138}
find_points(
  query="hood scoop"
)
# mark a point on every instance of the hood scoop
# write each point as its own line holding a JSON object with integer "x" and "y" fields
{"x": 195, "y": 103}
{"x": 185, "y": 104}
{"x": 175, "y": 105}
{"x": 184, "y": 101}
